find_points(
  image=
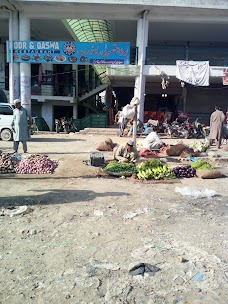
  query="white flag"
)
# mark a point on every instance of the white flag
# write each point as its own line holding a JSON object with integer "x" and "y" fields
{"x": 193, "y": 72}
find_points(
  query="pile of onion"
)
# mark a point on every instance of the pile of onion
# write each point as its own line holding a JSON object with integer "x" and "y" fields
{"x": 37, "y": 165}
{"x": 8, "y": 163}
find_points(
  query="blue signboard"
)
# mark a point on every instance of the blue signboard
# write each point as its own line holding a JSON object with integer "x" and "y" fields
{"x": 70, "y": 52}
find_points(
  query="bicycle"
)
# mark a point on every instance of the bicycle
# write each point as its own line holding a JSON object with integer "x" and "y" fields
{"x": 34, "y": 129}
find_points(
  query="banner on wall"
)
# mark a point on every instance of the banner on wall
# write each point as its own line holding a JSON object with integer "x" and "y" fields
{"x": 193, "y": 72}
{"x": 225, "y": 76}
{"x": 70, "y": 52}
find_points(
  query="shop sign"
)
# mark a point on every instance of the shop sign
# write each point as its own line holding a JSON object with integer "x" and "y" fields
{"x": 70, "y": 52}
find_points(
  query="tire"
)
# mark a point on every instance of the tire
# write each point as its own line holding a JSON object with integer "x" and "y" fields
{"x": 203, "y": 134}
{"x": 6, "y": 135}
{"x": 34, "y": 129}
{"x": 66, "y": 129}
{"x": 57, "y": 129}
{"x": 168, "y": 133}
{"x": 192, "y": 134}
{"x": 73, "y": 128}
{"x": 200, "y": 134}
{"x": 186, "y": 135}
{"x": 207, "y": 132}
{"x": 174, "y": 133}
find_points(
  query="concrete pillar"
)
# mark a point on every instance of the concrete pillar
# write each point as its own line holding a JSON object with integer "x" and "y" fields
{"x": 14, "y": 80}
{"x": 75, "y": 111}
{"x": 47, "y": 114}
{"x": 2, "y": 68}
{"x": 16, "y": 66}
{"x": 141, "y": 43}
{"x": 25, "y": 68}
{"x": 75, "y": 89}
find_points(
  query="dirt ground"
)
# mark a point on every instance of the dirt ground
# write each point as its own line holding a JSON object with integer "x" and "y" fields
{"x": 83, "y": 233}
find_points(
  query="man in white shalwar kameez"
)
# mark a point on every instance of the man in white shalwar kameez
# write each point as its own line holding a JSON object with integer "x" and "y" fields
{"x": 20, "y": 126}
{"x": 153, "y": 142}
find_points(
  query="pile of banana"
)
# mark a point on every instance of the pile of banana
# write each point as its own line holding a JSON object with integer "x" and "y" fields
{"x": 154, "y": 169}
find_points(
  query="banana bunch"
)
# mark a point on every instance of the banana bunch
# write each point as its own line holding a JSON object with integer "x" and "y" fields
{"x": 154, "y": 169}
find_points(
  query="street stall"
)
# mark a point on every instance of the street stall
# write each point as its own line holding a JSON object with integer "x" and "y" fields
{"x": 169, "y": 163}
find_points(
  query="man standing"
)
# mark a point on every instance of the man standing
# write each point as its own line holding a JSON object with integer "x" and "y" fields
{"x": 126, "y": 153}
{"x": 122, "y": 122}
{"x": 216, "y": 124}
{"x": 20, "y": 126}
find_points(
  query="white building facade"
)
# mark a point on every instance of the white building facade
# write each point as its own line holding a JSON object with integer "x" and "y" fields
{"x": 159, "y": 34}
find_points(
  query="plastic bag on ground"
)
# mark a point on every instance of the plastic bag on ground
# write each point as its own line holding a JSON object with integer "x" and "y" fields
{"x": 188, "y": 191}
{"x": 18, "y": 210}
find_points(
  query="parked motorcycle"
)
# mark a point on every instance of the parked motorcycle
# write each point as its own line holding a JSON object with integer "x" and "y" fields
{"x": 190, "y": 131}
{"x": 200, "y": 129}
{"x": 195, "y": 129}
{"x": 176, "y": 129}
{"x": 158, "y": 127}
{"x": 225, "y": 132}
{"x": 64, "y": 125}
{"x": 167, "y": 128}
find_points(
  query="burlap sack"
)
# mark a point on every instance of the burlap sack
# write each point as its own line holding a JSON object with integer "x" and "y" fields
{"x": 109, "y": 142}
{"x": 208, "y": 174}
{"x": 187, "y": 152}
{"x": 175, "y": 150}
{"x": 103, "y": 146}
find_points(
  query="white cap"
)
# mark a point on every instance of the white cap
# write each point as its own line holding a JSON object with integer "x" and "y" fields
{"x": 16, "y": 101}
{"x": 130, "y": 142}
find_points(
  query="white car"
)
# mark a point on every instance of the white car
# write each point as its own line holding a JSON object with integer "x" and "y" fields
{"x": 6, "y": 118}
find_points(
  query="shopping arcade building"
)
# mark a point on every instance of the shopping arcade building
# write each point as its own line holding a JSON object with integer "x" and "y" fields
{"x": 159, "y": 35}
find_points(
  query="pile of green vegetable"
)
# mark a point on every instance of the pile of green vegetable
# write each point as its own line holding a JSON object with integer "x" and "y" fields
{"x": 201, "y": 165}
{"x": 117, "y": 167}
{"x": 154, "y": 169}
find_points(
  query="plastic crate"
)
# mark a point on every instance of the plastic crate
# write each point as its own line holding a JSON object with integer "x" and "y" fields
{"x": 96, "y": 159}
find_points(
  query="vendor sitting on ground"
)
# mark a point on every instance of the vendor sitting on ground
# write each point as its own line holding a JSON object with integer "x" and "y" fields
{"x": 126, "y": 153}
{"x": 153, "y": 141}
